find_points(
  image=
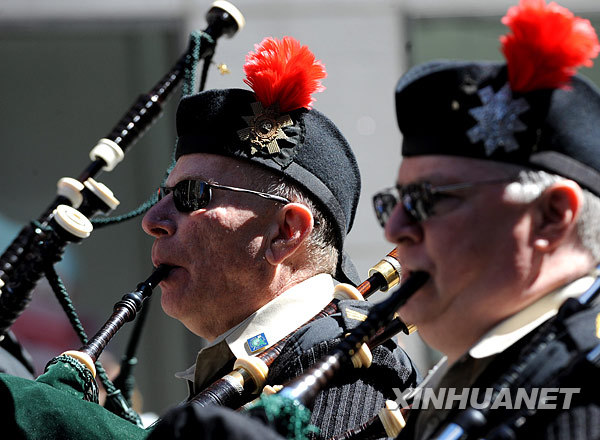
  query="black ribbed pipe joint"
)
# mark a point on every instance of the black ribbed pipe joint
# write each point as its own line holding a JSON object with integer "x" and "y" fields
{"x": 132, "y": 302}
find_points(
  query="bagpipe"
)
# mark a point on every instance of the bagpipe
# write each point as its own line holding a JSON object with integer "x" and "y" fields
{"x": 69, "y": 217}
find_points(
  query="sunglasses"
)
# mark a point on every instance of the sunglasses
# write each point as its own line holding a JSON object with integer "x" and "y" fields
{"x": 190, "y": 195}
{"x": 418, "y": 199}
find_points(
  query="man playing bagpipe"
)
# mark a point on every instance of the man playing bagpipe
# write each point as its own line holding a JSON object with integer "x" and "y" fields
{"x": 253, "y": 217}
{"x": 497, "y": 198}
{"x": 251, "y": 224}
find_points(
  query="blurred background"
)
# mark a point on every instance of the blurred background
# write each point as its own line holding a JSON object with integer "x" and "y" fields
{"x": 69, "y": 71}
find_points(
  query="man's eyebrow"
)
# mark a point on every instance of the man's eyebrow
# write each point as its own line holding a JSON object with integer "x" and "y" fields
{"x": 435, "y": 179}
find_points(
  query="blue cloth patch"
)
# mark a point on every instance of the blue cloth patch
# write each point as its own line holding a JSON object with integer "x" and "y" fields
{"x": 257, "y": 342}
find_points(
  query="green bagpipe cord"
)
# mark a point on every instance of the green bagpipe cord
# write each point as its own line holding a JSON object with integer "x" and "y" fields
{"x": 288, "y": 417}
{"x": 60, "y": 404}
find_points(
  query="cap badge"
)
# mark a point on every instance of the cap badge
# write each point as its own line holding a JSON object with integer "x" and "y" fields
{"x": 497, "y": 119}
{"x": 264, "y": 128}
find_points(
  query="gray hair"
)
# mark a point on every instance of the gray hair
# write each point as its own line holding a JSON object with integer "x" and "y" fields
{"x": 321, "y": 243}
{"x": 530, "y": 184}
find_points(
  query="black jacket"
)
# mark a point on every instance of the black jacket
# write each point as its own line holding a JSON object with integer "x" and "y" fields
{"x": 558, "y": 364}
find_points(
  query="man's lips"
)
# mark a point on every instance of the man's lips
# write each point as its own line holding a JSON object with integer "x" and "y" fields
{"x": 408, "y": 273}
{"x": 168, "y": 266}
{"x": 161, "y": 258}
{"x": 160, "y": 273}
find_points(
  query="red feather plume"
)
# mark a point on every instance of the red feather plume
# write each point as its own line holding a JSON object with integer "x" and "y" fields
{"x": 547, "y": 45}
{"x": 284, "y": 72}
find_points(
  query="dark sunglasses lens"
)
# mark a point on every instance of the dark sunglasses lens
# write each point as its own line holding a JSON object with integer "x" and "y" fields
{"x": 190, "y": 195}
{"x": 408, "y": 202}
{"x": 384, "y": 203}
{"x": 416, "y": 200}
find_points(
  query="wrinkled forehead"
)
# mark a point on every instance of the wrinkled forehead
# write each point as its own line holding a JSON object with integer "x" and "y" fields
{"x": 441, "y": 169}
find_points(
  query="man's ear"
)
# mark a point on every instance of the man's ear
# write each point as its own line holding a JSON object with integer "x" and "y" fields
{"x": 560, "y": 206}
{"x": 294, "y": 224}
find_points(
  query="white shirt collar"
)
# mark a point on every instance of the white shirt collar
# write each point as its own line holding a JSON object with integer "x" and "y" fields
{"x": 282, "y": 315}
{"x": 274, "y": 320}
{"x": 522, "y": 323}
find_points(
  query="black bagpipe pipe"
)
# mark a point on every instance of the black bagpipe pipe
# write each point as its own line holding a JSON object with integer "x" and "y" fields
{"x": 67, "y": 394}
{"x": 249, "y": 374}
{"x": 82, "y": 363}
{"x": 124, "y": 311}
{"x": 43, "y": 241}
{"x": 471, "y": 423}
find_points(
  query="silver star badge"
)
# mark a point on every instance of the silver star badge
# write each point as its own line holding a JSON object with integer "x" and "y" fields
{"x": 497, "y": 119}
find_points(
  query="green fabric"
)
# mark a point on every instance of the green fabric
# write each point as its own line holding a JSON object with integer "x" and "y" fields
{"x": 69, "y": 375}
{"x": 52, "y": 407}
{"x": 288, "y": 417}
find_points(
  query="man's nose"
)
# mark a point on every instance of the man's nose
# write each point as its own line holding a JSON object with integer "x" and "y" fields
{"x": 401, "y": 228}
{"x": 159, "y": 220}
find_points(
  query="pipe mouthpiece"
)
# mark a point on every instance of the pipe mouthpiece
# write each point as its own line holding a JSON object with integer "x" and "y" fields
{"x": 159, "y": 274}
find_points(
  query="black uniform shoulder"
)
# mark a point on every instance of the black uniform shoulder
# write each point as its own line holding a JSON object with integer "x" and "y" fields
{"x": 554, "y": 360}
{"x": 578, "y": 418}
{"x": 314, "y": 340}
